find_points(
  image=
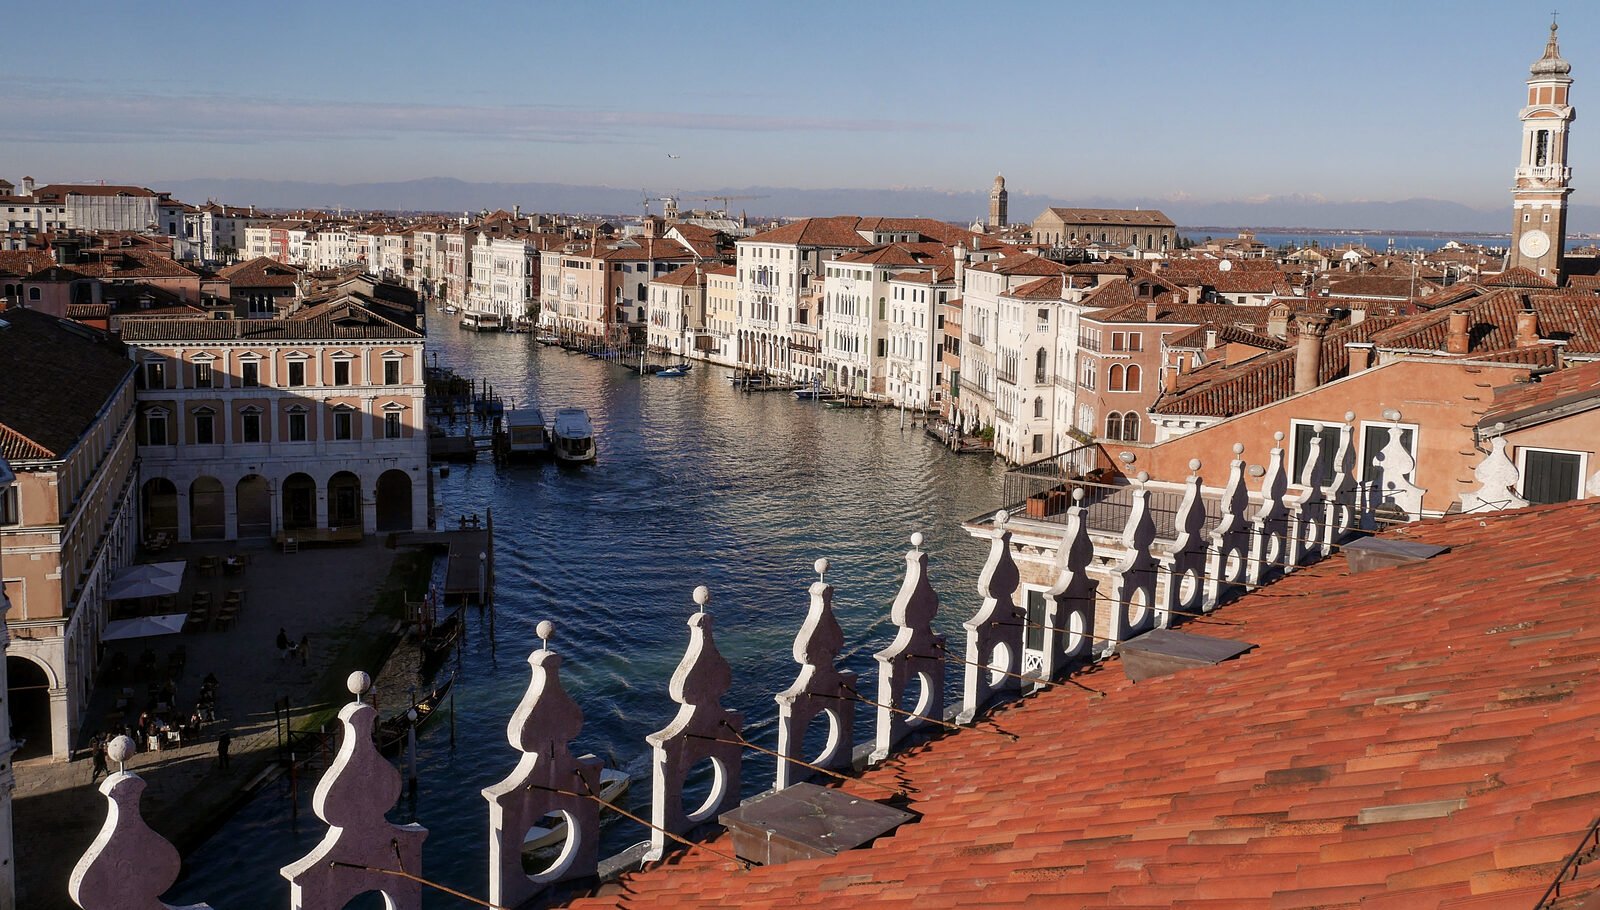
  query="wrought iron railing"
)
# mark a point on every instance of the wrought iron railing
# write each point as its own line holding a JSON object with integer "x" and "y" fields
{"x": 1042, "y": 491}
{"x": 1569, "y": 869}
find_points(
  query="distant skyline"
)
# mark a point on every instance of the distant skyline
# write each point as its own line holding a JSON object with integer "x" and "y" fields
{"x": 1359, "y": 102}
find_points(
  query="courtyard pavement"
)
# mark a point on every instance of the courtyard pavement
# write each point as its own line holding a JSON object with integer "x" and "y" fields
{"x": 327, "y": 594}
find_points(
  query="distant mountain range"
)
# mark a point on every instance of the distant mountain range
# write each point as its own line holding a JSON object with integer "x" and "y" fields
{"x": 446, "y": 194}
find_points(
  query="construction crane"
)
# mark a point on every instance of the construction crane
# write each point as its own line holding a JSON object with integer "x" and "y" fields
{"x": 726, "y": 199}
{"x": 669, "y": 204}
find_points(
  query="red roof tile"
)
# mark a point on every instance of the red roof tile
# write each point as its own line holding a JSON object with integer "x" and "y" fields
{"x": 1288, "y": 777}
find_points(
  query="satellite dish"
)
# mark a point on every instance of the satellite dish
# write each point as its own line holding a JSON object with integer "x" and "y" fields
{"x": 1225, "y": 265}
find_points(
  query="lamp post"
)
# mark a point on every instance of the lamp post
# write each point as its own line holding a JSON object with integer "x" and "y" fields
{"x": 483, "y": 577}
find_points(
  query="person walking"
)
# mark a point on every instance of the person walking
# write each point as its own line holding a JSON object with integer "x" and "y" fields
{"x": 305, "y": 648}
{"x": 283, "y": 644}
{"x": 223, "y": 742}
{"x": 99, "y": 759}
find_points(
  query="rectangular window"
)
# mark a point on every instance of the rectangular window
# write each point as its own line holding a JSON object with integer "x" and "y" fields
{"x": 250, "y": 374}
{"x": 1551, "y": 476}
{"x": 341, "y": 372}
{"x": 341, "y": 424}
{"x": 1303, "y": 434}
{"x": 1117, "y": 341}
{"x": 1033, "y": 637}
{"x": 297, "y": 426}
{"x": 391, "y": 372}
{"x": 202, "y": 375}
{"x": 156, "y": 430}
{"x": 1135, "y": 341}
{"x": 1044, "y": 320}
{"x": 391, "y": 425}
{"x": 297, "y": 373}
{"x": 155, "y": 375}
{"x": 10, "y": 513}
{"x": 1038, "y": 443}
{"x": 251, "y": 426}
{"x": 204, "y": 428}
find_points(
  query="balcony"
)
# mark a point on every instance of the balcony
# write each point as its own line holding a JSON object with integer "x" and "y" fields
{"x": 1006, "y": 376}
{"x": 1028, "y": 491}
{"x": 1065, "y": 382}
{"x": 972, "y": 338}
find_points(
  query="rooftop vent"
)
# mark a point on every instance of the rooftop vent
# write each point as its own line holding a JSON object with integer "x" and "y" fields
{"x": 805, "y": 821}
{"x": 1163, "y": 652}
{"x": 1370, "y": 553}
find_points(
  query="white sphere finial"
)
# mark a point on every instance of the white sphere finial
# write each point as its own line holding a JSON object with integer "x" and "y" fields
{"x": 1391, "y": 414}
{"x": 1077, "y": 494}
{"x": 1238, "y": 448}
{"x": 1194, "y": 464}
{"x": 358, "y": 682}
{"x": 821, "y": 568}
{"x": 702, "y": 596}
{"x": 1144, "y": 477}
{"x": 916, "y": 539}
{"x": 544, "y": 630}
{"x": 1317, "y": 427}
{"x": 120, "y": 749}
{"x": 1000, "y": 519}
{"x": 1349, "y": 416}
{"x": 1278, "y": 437}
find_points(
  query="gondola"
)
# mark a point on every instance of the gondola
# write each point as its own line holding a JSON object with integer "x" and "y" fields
{"x": 552, "y": 829}
{"x": 391, "y": 732}
{"x": 437, "y": 642}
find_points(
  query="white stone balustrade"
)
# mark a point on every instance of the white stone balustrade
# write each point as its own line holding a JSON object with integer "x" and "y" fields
{"x": 916, "y": 655}
{"x": 1067, "y": 639}
{"x": 1308, "y": 510}
{"x": 702, "y": 730}
{"x": 127, "y": 866}
{"x": 1228, "y": 557}
{"x": 995, "y": 632}
{"x": 1183, "y": 568}
{"x": 821, "y": 689}
{"x": 362, "y": 850}
{"x": 1343, "y": 505}
{"x": 1497, "y": 478}
{"x": 1269, "y": 526}
{"x": 1133, "y": 579}
{"x": 548, "y": 786}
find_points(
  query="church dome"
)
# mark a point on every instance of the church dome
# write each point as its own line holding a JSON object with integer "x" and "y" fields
{"x": 1551, "y": 64}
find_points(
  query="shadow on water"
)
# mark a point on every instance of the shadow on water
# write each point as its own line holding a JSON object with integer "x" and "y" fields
{"x": 695, "y": 484}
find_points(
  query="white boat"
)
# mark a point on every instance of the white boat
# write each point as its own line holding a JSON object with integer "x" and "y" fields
{"x": 449, "y": 309}
{"x": 552, "y": 829}
{"x": 529, "y": 436}
{"x": 481, "y": 322}
{"x": 574, "y": 436}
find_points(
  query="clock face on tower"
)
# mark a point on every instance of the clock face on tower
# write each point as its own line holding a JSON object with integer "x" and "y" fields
{"x": 1534, "y": 243}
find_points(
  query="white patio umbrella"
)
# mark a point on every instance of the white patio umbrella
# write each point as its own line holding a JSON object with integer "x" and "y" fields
{"x": 144, "y": 626}
{"x": 148, "y": 580}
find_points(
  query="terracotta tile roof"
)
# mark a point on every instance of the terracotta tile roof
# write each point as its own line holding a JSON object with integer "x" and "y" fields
{"x": 57, "y": 192}
{"x": 1043, "y": 289}
{"x": 1234, "y": 280}
{"x": 1226, "y": 333}
{"x": 1549, "y": 394}
{"x": 838, "y": 231}
{"x": 1023, "y": 264}
{"x": 1380, "y": 286}
{"x": 1223, "y": 390}
{"x": 1518, "y": 277}
{"x": 1170, "y": 310}
{"x": 339, "y": 319}
{"x": 1436, "y": 750}
{"x": 58, "y": 376}
{"x": 1568, "y": 315}
{"x": 260, "y": 272}
{"x": 25, "y": 262}
{"x": 689, "y": 276}
{"x": 1111, "y": 216}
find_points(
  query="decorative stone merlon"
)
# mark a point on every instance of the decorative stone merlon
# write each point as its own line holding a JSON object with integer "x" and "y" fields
{"x": 362, "y": 850}
{"x": 1309, "y": 509}
{"x": 128, "y": 866}
{"x": 547, "y": 781}
{"x": 994, "y": 633}
{"x": 1497, "y": 480}
{"x": 1133, "y": 579}
{"x": 702, "y": 729}
{"x": 820, "y": 689}
{"x": 1184, "y": 566}
{"x": 915, "y": 655}
{"x": 1229, "y": 554}
{"x": 1270, "y": 525}
{"x": 1068, "y": 634}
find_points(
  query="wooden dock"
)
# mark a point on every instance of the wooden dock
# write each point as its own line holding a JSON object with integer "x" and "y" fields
{"x": 462, "y": 547}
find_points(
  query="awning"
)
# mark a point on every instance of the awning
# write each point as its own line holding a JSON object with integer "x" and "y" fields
{"x": 148, "y": 580}
{"x": 144, "y": 626}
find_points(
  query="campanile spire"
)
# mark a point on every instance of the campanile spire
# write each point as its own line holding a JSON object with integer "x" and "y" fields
{"x": 1539, "y": 198}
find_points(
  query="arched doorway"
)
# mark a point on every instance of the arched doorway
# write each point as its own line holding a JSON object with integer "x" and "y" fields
{"x": 207, "y": 510}
{"x": 28, "y": 695}
{"x": 394, "y": 501}
{"x": 299, "y": 502}
{"x": 254, "y": 501}
{"x": 158, "y": 507}
{"x": 344, "y": 500}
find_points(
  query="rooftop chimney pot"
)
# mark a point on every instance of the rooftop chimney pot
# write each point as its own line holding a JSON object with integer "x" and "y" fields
{"x": 1527, "y": 330}
{"x": 1455, "y": 341}
{"x": 1308, "y": 350}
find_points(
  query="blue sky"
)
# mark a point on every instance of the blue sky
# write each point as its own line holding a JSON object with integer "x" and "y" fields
{"x": 1208, "y": 101}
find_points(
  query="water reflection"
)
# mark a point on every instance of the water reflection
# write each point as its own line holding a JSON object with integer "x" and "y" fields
{"x": 695, "y": 484}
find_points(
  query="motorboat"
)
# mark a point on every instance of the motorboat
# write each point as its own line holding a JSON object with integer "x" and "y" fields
{"x": 481, "y": 322}
{"x": 677, "y": 372}
{"x": 549, "y": 339}
{"x": 552, "y": 829}
{"x": 574, "y": 436}
{"x": 529, "y": 437}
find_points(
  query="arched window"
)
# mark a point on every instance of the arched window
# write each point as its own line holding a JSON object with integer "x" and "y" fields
{"x": 1541, "y": 148}
{"x": 1039, "y": 367}
{"x": 1130, "y": 378}
{"x": 1038, "y": 407}
{"x": 1114, "y": 378}
{"x": 1130, "y": 427}
{"x": 33, "y": 293}
{"x": 1113, "y": 425}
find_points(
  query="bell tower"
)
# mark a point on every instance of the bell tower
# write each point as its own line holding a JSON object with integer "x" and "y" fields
{"x": 997, "y": 204}
{"x": 1539, "y": 199}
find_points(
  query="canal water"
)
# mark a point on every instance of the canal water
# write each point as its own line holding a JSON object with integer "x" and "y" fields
{"x": 695, "y": 484}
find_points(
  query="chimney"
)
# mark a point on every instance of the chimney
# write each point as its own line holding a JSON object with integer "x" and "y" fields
{"x": 1151, "y": 311}
{"x": 516, "y": 212}
{"x": 1194, "y": 294}
{"x": 1358, "y": 316}
{"x": 1455, "y": 341}
{"x": 959, "y": 254}
{"x": 1308, "y": 350}
{"x": 27, "y": 186}
{"x": 1360, "y": 356}
{"x": 1527, "y": 330}
{"x": 1278, "y": 322}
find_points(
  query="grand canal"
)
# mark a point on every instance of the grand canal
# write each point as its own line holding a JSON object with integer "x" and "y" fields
{"x": 695, "y": 484}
